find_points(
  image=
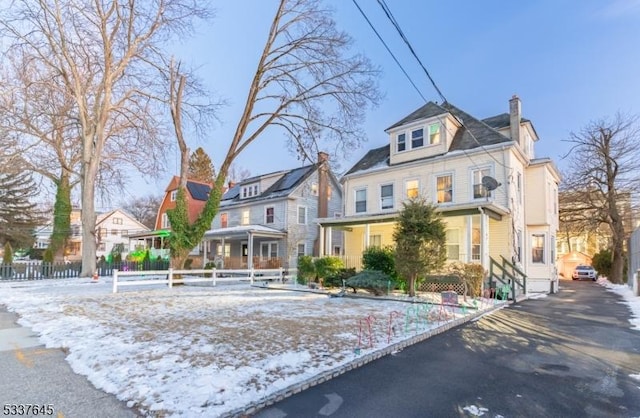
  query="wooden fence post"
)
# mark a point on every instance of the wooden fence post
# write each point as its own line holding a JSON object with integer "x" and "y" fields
{"x": 170, "y": 277}
{"x": 214, "y": 276}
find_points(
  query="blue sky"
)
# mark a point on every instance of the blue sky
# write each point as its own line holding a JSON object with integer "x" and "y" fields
{"x": 569, "y": 61}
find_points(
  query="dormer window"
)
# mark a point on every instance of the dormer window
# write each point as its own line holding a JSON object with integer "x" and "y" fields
{"x": 250, "y": 191}
{"x": 417, "y": 138}
{"x": 434, "y": 134}
{"x": 401, "y": 142}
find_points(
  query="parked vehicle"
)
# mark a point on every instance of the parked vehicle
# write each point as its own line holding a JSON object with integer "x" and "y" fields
{"x": 584, "y": 272}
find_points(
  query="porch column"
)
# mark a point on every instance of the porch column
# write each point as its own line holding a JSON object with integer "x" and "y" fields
{"x": 205, "y": 243}
{"x": 484, "y": 233}
{"x": 250, "y": 251}
{"x": 321, "y": 242}
{"x": 329, "y": 240}
{"x": 222, "y": 254}
{"x": 366, "y": 236}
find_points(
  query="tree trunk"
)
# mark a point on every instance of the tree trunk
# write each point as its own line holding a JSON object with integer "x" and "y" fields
{"x": 61, "y": 217}
{"x": 412, "y": 286}
{"x": 88, "y": 217}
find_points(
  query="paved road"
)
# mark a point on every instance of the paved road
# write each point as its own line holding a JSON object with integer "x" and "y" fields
{"x": 33, "y": 374}
{"x": 567, "y": 355}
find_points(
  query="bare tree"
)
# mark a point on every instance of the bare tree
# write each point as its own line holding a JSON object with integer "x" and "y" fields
{"x": 237, "y": 173}
{"x": 306, "y": 84}
{"x": 144, "y": 209}
{"x": 100, "y": 51}
{"x": 605, "y": 161}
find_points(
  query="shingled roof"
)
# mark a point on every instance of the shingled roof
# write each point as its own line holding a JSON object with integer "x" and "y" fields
{"x": 289, "y": 180}
{"x": 473, "y": 134}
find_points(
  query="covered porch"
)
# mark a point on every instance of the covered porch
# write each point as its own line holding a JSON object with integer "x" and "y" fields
{"x": 246, "y": 247}
{"x": 157, "y": 242}
{"x": 468, "y": 233}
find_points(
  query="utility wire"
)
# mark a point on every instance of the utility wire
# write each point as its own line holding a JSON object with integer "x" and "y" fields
{"x": 393, "y": 21}
{"x": 389, "y": 50}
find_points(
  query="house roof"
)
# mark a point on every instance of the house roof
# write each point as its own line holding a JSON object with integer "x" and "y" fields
{"x": 473, "y": 134}
{"x": 243, "y": 231}
{"x": 197, "y": 190}
{"x": 285, "y": 185}
{"x": 500, "y": 121}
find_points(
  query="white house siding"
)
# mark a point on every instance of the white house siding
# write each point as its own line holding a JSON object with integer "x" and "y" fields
{"x": 500, "y": 239}
{"x": 112, "y": 233}
{"x": 537, "y": 196}
{"x": 634, "y": 262}
{"x": 460, "y": 166}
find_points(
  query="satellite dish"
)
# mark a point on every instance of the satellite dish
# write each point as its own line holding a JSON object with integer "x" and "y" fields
{"x": 490, "y": 183}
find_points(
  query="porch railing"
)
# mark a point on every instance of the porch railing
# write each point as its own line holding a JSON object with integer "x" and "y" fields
{"x": 506, "y": 278}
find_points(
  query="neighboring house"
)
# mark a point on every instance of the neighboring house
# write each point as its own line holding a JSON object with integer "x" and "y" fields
{"x": 112, "y": 228}
{"x": 581, "y": 235}
{"x": 270, "y": 220}
{"x": 453, "y": 160}
{"x": 197, "y": 194}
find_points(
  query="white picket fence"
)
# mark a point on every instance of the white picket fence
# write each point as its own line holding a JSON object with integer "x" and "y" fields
{"x": 168, "y": 277}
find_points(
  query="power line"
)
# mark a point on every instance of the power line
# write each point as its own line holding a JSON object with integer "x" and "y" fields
{"x": 393, "y": 21}
{"x": 389, "y": 50}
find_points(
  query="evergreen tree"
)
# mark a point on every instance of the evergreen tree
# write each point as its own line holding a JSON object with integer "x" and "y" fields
{"x": 7, "y": 257}
{"x": 200, "y": 167}
{"x": 420, "y": 241}
{"x": 18, "y": 215}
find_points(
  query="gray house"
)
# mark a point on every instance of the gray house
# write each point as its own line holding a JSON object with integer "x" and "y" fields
{"x": 267, "y": 221}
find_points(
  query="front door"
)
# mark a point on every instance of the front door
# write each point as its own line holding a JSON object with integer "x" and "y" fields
{"x": 245, "y": 253}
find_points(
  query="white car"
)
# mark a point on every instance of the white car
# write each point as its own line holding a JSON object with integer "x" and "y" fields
{"x": 584, "y": 272}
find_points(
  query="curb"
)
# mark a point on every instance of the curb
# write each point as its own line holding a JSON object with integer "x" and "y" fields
{"x": 327, "y": 375}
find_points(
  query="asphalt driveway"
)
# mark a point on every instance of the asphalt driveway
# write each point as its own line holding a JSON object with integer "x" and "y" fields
{"x": 571, "y": 354}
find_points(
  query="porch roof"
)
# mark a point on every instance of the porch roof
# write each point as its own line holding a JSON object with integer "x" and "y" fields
{"x": 243, "y": 231}
{"x": 491, "y": 209}
{"x": 150, "y": 234}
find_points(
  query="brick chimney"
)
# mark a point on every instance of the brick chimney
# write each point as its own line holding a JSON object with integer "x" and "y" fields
{"x": 231, "y": 184}
{"x": 515, "y": 115}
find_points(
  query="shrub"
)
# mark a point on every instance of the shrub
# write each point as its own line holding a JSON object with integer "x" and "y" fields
{"x": 7, "y": 258}
{"x": 327, "y": 266}
{"x": 187, "y": 263}
{"x": 472, "y": 276}
{"x": 335, "y": 279}
{"x": 47, "y": 256}
{"x": 209, "y": 266}
{"x": 602, "y": 262}
{"x": 306, "y": 269}
{"x": 380, "y": 259}
{"x": 372, "y": 281}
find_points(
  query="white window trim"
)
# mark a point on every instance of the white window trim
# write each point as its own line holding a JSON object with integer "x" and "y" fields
{"x": 242, "y": 220}
{"x": 435, "y": 187}
{"x": 266, "y": 208}
{"x": 298, "y": 215}
{"x": 459, "y": 243}
{"x": 393, "y": 196}
{"x": 268, "y": 244}
{"x": 227, "y": 225}
{"x": 426, "y": 136}
{"x": 165, "y": 220}
{"x": 406, "y": 190}
{"x": 173, "y": 195}
{"x": 545, "y": 255}
{"x": 472, "y": 170}
{"x": 304, "y": 250}
{"x": 355, "y": 199}
{"x": 398, "y": 142}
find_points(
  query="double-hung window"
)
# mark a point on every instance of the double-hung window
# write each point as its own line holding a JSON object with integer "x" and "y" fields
{"x": 224, "y": 220}
{"x": 417, "y": 138}
{"x": 444, "y": 188}
{"x": 302, "y": 215}
{"x": 361, "y": 201}
{"x": 412, "y": 188}
{"x": 479, "y": 191}
{"x": 269, "y": 215}
{"x": 401, "y": 142}
{"x": 386, "y": 196}
{"x": 537, "y": 248}
{"x": 246, "y": 216}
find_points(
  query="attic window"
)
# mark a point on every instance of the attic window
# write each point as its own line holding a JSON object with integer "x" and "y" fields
{"x": 434, "y": 134}
{"x": 314, "y": 189}
{"x": 174, "y": 194}
{"x": 401, "y": 142}
{"x": 417, "y": 138}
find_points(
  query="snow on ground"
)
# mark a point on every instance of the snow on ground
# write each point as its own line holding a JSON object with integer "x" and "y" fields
{"x": 629, "y": 299}
{"x": 194, "y": 350}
